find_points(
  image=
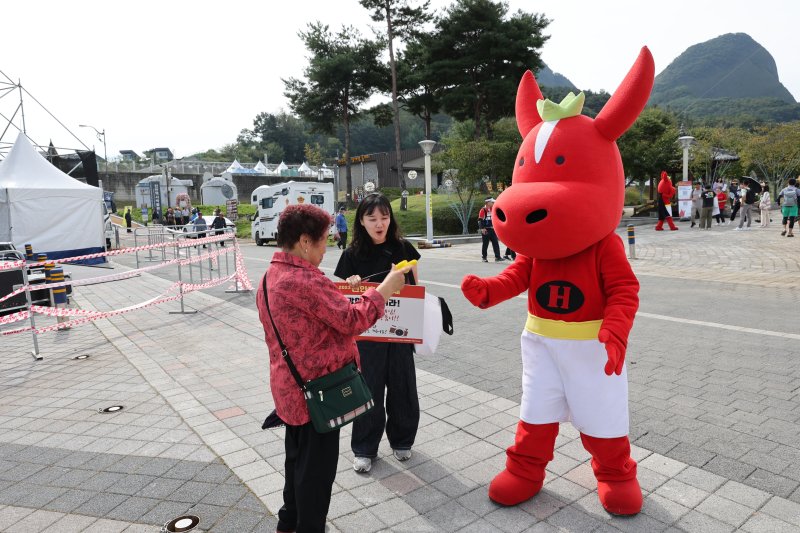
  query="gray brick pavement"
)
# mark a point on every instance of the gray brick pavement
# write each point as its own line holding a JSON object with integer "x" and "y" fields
{"x": 714, "y": 411}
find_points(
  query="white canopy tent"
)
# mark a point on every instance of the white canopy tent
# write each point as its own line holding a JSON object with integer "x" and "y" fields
{"x": 260, "y": 168}
{"x": 234, "y": 167}
{"x": 41, "y": 206}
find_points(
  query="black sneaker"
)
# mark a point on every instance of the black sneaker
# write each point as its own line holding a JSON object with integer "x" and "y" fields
{"x": 498, "y": 259}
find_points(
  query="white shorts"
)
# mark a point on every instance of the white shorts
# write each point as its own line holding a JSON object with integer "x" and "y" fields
{"x": 564, "y": 381}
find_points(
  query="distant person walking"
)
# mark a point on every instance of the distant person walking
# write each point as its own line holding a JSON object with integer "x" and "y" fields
{"x": 747, "y": 200}
{"x": 707, "y": 199}
{"x": 697, "y": 201}
{"x": 765, "y": 204}
{"x": 789, "y": 206}
{"x": 128, "y": 218}
{"x": 200, "y": 226}
{"x": 722, "y": 201}
{"x": 736, "y": 203}
{"x": 341, "y": 228}
{"x": 487, "y": 231}
{"x": 219, "y": 225}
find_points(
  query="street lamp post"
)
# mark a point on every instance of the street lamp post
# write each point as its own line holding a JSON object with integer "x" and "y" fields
{"x": 687, "y": 141}
{"x": 103, "y": 135}
{"x": 427, "y": 148}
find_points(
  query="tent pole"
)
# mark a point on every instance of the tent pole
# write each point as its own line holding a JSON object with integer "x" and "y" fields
{"x": 22, "y": 107}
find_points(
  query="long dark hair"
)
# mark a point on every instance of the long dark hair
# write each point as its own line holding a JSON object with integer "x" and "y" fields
{"x": 362, "y": 244}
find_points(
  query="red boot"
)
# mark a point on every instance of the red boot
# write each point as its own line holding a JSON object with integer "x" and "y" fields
{"x": 660, "y": 225}
{"x": 615, "y": 470}
{"x": 525, "y": 461}
{"x": 672, "y": 225}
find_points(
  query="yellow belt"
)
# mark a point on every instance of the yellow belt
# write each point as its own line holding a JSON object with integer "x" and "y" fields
{"x": 558, "y": 329}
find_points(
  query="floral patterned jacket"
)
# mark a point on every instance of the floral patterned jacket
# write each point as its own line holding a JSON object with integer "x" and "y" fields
{"x": 316, "y": 323}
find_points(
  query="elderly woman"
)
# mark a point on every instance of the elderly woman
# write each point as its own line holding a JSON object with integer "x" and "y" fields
{"x": 318, "y": 325}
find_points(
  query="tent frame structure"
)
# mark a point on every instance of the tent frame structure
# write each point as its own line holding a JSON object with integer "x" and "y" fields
{"x": 15, "y": 123}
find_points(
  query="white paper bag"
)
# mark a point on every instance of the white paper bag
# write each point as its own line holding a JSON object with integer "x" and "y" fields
{"x": 436, "y": 321}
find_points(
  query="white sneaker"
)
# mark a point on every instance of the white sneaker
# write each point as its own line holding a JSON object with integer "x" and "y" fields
{"x": 402, "y": 455}
{"x": 737, "y": 228}
{"x": 362, "y": 464}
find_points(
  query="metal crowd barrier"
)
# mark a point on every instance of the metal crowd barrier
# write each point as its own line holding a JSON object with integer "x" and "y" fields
{"x": 172, "y": 245}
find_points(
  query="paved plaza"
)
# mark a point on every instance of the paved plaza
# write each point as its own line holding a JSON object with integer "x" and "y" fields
{"x": 713, "y": 363}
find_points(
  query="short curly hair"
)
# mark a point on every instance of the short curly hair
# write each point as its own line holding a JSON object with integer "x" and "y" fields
{"x": 300, "y": 219}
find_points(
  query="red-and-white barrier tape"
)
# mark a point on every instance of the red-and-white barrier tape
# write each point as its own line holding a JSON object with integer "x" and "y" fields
{"x": 116, "y": 277}
{"x": 84, "y": 316}
{"x": 11, "y": 265}
{"x": 241, "y": 272}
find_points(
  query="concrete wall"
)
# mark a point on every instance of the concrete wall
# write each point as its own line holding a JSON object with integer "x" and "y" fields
{"x": 123, "y": 185}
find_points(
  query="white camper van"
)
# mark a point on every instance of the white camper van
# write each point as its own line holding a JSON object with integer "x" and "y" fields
{"x": 270, "y": 201}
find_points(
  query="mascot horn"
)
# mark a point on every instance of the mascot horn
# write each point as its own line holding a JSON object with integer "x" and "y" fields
{"x": 560, "y": 214}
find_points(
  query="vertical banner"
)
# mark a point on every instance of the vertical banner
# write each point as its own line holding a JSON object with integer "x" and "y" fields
{"x": 155, "y": 200}
{"x": 232, "y": 209}
{"x": 684, "y": 200}
{"x": 403, "y": 318}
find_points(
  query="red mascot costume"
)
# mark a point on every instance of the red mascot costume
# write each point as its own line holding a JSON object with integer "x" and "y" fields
{"x": 582, "y": 293}
{"x": 665, "y": 193}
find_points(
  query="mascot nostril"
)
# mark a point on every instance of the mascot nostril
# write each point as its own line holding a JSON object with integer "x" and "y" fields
{"x": 582, "y": 293}
{"x": 536, "y": 216}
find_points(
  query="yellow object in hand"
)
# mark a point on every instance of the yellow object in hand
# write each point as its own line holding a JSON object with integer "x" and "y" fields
{"x": 404, "y": 263}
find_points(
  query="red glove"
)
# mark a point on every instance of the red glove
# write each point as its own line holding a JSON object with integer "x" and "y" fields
{"x": 615, "y": 350}
{"x": 476, "y": 290}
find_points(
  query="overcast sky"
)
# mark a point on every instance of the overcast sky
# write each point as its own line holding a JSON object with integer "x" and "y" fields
{"x": 191, "y": 75}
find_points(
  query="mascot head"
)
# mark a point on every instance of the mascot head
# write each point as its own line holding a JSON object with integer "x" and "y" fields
{"x": 567, "y": 190}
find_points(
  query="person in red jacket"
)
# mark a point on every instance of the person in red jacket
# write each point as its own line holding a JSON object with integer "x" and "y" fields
{"x": 582, "y": 293}
{"x": 722, "y": 200}
{"x": 666, "y": 190}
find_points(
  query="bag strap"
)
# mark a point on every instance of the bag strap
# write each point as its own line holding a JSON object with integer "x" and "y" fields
{"x": 447, "y": 317}
{"x": 284, "y": 350}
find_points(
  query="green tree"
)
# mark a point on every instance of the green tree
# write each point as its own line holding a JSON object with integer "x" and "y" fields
{"x": 400, "y": 18}
{"x": 774, "y": 152}
{"x": 279, "y": 129}
{"x": 418, "y": 86}
{"x": 712, "y": 143}
{"x": 649, "y": 146}
{"x": 471, "y": 163}
{"x": 342, "y": 73}
{"x": 479, "y": 54}
{"x": 313, "y": 154}
{"x": 274, "y": 152}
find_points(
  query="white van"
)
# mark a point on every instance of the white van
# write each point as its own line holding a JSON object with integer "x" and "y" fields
{"x": 270, "y": 201}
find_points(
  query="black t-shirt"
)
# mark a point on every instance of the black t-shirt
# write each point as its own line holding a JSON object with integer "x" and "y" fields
{"x": 380, "y": 259}
{"x": 708, "y": 198}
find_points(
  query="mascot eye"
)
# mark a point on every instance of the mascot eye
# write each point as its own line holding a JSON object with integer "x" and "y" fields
{"x": 521, "y": 161}
{"x": 560, "y": 160}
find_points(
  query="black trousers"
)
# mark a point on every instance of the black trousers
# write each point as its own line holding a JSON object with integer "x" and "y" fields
{"x": 311, "y": 460}
{"x": 342, "y": 240}
{"x": 490, "y": 235}
{"x": 387, "y": 367}
{"x": 735, "y": 209}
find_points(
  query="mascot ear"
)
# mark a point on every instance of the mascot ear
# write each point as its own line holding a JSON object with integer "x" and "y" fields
{"x": 528, "y": 94}
{"x": 628, "y": 100}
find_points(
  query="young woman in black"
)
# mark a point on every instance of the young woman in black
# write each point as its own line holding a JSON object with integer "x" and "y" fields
{"x": 387, "y": 367}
